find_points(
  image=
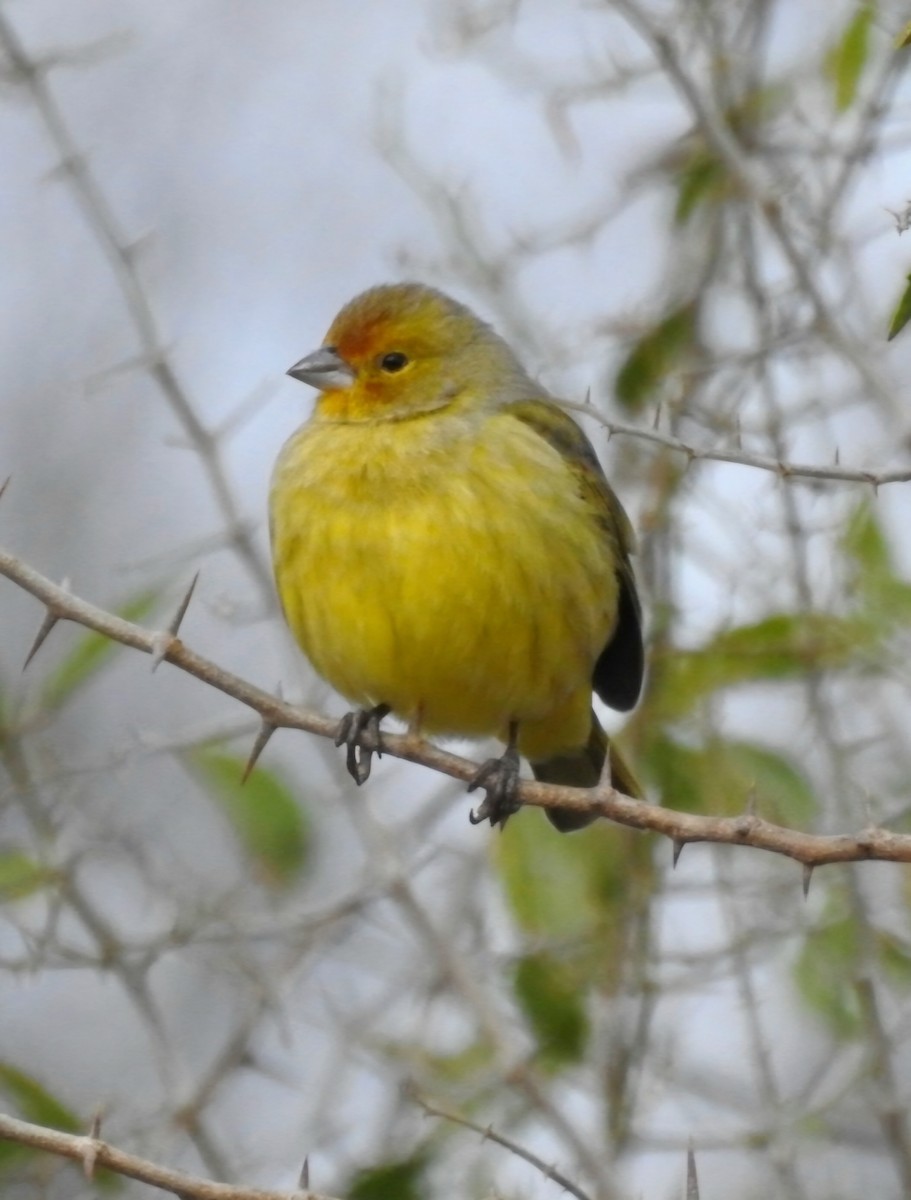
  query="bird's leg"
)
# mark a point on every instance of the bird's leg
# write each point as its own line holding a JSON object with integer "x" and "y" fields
{"x": 350, "y": 730}
{"x": 499, "y": 777}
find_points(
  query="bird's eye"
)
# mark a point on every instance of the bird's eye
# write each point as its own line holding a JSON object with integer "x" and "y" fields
{"x": 393, "y": 361}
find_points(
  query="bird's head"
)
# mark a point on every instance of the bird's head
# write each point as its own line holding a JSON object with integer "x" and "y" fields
{"x": 403, "y": 349}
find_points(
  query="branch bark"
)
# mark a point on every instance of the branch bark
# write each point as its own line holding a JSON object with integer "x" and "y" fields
{"x": 92, "y": 1153}
{"x": 747, "y": 829}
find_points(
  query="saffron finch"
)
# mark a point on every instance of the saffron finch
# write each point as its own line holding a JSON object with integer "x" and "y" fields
{"x": 447, "y": 548}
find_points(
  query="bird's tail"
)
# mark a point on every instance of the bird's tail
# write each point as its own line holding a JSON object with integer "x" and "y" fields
{"x": 582, "y": 768}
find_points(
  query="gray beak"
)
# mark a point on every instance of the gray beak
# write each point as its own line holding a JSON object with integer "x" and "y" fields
{"x": 324, "y": 369}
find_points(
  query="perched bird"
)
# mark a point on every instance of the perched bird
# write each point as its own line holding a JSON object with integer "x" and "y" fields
{"x": 447, "y": 548}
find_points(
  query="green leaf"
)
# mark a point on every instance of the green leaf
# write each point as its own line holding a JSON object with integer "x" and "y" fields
{"x": 783, "y": 793}
{"x": 581, "y": 891}
{"x": 553, "y": 897}
{"x": 895, "y": 959}
{"x": 721, "y": 776}
{"x": 460, "y": 1067}
{"x": 21, "y": 876}
{"x": 825, "y": 974}
{"x": 550, "y": 995}
{"x": 562, "y": 887}
{"x": 902, "y": 313}
{"x": 654, "y": 356}
{"x": 847, "y": 58}
{"x": 835, "y": 957}
{"x": 37, "y": 1105}
{"x": 865, "y": 542}
{"x": 679, "y": 773}
{"x": 701, "y": 178}
{"x": 92, "y": 652}
{"x": 883, "y": 597}
{"x": 903, "y": 39}
{"x": 266, "y": 818}
{"x": 402, "y": 1180}
{"x": 782, "y": 646}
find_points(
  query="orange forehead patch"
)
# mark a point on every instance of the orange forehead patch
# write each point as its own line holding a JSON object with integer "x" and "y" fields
{"x": 393, "y": 317}
{"x": 357, "y": 340}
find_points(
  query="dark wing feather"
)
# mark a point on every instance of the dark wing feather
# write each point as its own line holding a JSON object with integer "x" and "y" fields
{"x": 620, "y": 667}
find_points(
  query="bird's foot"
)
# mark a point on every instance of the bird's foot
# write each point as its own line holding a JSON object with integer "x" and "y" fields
{"x": 499, "y": 777}
{"x": 350, "y": 732}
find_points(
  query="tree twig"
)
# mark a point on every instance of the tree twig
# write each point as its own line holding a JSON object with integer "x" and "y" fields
{"x": 92, "y": 1153}
{"x": 31, "y": 74}
{"x": 834, "y": 472}
{"x": 747, "y": 829}
{"x": 489, "y": 1134}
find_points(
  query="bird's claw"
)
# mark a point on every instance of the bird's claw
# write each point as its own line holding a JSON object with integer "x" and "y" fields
{"x": 499, "y": 777}
{"x": 350, "y": 733}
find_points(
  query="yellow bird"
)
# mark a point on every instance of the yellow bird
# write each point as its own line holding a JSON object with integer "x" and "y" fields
{"x": 447, "y": 548}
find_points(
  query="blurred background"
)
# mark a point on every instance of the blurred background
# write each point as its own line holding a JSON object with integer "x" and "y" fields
{"x": 685, "y": 217}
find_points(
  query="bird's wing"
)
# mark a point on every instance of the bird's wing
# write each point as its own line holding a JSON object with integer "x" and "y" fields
{"x": 620, "y": 667}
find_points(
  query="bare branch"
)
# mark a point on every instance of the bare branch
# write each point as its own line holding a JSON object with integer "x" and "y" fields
{"x": 31, "y": 74}
{"x": 747, "y": 829}
{"x": 91, "y": 1153}
{"x": 761, "y": 462}
{"x": 489, "y": 1134}
{"x": 719, "y": 135}
{"x": 692, "y": 1179}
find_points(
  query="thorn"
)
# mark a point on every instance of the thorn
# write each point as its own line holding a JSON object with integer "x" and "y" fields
{"x": 588, "y": 397}
{"x": 737, "y": 434}
{"x": 679, "y": 843}
{"x": 161, "y": 643}
{"x": 90, "y": 1153}
{"x": 837, "y": 456}
{"x": 304, "y": 1180}
{"x": 807, "y": 876}
{"x": 750, "y": 806}
{"x": 4, "y": 485}
{"x": 266, "y": 730}
{"x": 692, "y": 1180}
{"x": 182, "y": 607}
{"x": 47, "y": 625}
{"x": 656, "y": 420}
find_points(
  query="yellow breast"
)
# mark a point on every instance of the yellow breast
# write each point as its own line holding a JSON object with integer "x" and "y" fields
{"x": 445, "y": 565}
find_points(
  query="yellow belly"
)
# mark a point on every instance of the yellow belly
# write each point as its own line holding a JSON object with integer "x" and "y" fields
{"x": 448, "y": 567}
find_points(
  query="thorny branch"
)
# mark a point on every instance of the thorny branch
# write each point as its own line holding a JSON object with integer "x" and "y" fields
{"x": 747, "y": 829}
{"x": 834, "y": 473}
{"x": 720, "y": 136}
{"x": 489, "y": 1134}
{"x": 93, "y": 1153}
{"x": 31, "y": 74}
